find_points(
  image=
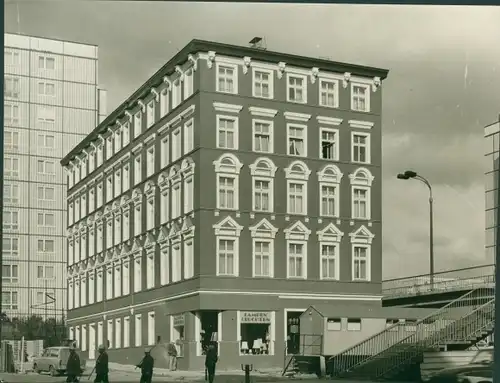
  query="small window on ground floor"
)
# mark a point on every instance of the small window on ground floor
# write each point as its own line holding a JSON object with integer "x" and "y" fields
{"x": 334, "y": 324}
{"x": 255, "y": 332}
{"x": 177, "y": 334}
{"x": 353, "y": 324}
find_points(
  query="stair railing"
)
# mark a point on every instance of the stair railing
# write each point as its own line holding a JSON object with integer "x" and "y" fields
{"x": 432, "y": 336}
{"x": 382, "y": 341}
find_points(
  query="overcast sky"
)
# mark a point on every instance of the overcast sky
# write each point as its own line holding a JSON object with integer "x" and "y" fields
{"x": 442, "y": 89}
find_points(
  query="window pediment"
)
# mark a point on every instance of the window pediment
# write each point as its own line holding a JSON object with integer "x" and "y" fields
{"x": 163, "y": 181}
{"x": 136, "y": 247}
{"x": 263, "y": 167}
{"x": 137, "y": 196}
{"x": 331, "y": 174}
{"x": 228, "y": 227}
{"x": 297, "y": 231}
{"x": 174, "y": 231}
{"x": 228, "y": 163}
{"x": 263, "y": 229}
{"x": 149, "y": 189}
{"x": 361, "y": 177}
{"x": 362, "y": 236}
{"x": 330, "y": 234}
{"x": 297, "y": 170}
{"x": 150, "y": 242}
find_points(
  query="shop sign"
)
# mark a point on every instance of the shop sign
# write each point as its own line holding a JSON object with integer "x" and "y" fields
{"x": 179, "y": 320}
{"x": 255, "y": 317}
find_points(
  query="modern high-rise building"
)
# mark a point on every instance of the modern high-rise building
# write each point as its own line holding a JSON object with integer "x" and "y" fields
{"x": 51, "y": 102}
{"x": 236, "y": 187}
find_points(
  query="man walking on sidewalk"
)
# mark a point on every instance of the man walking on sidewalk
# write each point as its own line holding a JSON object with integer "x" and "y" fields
{"x": 146, "y": 367}
{"x": 211, "y": 360}
{"x": 102, "y": 366}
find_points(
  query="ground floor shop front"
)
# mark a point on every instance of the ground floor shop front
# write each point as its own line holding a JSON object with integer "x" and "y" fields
{"x": 248, "y": 329}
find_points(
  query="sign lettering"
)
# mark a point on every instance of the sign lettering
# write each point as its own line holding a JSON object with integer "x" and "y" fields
{"x": 255, "y": 317}
{"x": 178, "y": 320}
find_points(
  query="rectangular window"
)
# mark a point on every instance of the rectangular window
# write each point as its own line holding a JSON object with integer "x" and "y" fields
{"x": 360, "y": 97}
{"x": 329, "y": 201}
{"x": 91, "y": 289}
{"x": 11, "y": 87}
{"x": 46, "y": 114}
{"x": 176, "y": 145}
{"x": 227, "y": 132}
{"x": 329, "y": 144}
{"x": 296, "y": 88}
{"x": 10, "y": 300}
{"x": 48, "y": 63}
{"x": 46, "y": 219}
{"x": 227, "y": 192}
{"x": 91, "y": 242}
{"x": 150, "y": 115}
{"x": 360, "y": 148}
{"x": 100, "y": 194}
{"x": 45, "y": 246}
{"x": 263, "y": 83}
{"x": 46, "y": 167}
{"x": 176, "y": 263}
{"x": 100, "y": 238}
{"x": 137, "y": 220}
{"x": 328, "y": 93}
{"x": 118, "y": 183}
{"x": 360, "y": 203}
{"x": 297, "y": 140}
{"x": 297, "y": 198}
{"x": 109, "y": 188}
{"x": 262, "y": 195}
{"x": 109, "y": 282}
{"x": 109, "y": 232}
{"x": 296, "y": 260}
{"x": 164, "y": 267}
{"x": 360, "y": 260}
{"x": 118, "y": 333}
{"x": 46, "y": 88}
{"x": 11, "y": 167}
{"x": 126, "y": 134}
{"x": 188, "y": 83}
{"x": 11, "y": 140}
{"x": 262, "y": 136}
{"x": 118, "y": 229}
{"x": 45, "y": 193}
{"x": 150, "y": 271}
{"x": 99, "y": 157}
{"x": 109, "y": 147}
{"x": 176, "y": 94}
{"x": 126, "y": 331}
{"x": 150, "y": 214}
{"x": 188, "y": 195}
{"x": 138, "y": 330}
{"x": 137, "y": 274}
{"x": 118, "y": 140}
{"x": 10, "y": 273}
{"x": 45, "y": 272}
{"x": 334, "y": 324}
{"x": 10, "y": 220}
{"x": 10, "y": 247}
{"x": 118, "y": 279}
{"x": 226, "y": 257}
{"x": 151, "y": 328}
{"x": 165, "y": 152}
{"x": 262, "y": 259}
{"x": 188, "y": 136}
{"x": 126, "y": 225}
{"x": 176, "y": 201}
{"x": 110, "y": 333}
{"x": 137, "y": 170}
{"x": 329, "y": 261}
{"x": 188, "y": 260}
{"x": 353, "y": 324}
{"x": 126, "y": 277}
{"x": 150, "y": 161}
{"x": 137, "y": 124}
{"x": 164, "y": 103}
{"x": 11, "y": 115}
{"x": 99, "y": 286}
{"x": 126, "y": 177}
{"x": 227, "y": 78}
{"x": 10, "y": 194}
{"x": 91, "y": 162}
{"x": 11, "y": 57}
{"x": 164, "y": 207}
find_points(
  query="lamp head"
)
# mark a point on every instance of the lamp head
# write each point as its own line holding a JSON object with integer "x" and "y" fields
{"x": 410, "y": 174}
{"x": 402, "y": 176}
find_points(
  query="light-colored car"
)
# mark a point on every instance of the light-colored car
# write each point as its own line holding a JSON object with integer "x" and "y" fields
{"x": 53, "y": 360}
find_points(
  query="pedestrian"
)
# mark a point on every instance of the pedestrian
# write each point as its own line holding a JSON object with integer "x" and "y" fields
{"x": 101, "y": 366}
{"x": 146, "y": 367}
{"x": 211, "y": 360}
{"x": 172, "y": 354}
{"x": 73, "y": 369}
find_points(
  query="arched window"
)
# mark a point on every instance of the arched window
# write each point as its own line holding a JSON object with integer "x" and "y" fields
{"x": 227, "y": 169}
{"x": 263, "y": 171}
{"x": 361, "y": 182}
{"x": 297, "y": 176}
{"x": 329, "y": 191}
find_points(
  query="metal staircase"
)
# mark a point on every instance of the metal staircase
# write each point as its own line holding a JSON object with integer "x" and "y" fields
{"x": 398, "y": 349}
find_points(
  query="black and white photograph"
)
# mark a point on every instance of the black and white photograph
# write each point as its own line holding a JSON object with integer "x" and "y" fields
{"x": 236, "y": 192}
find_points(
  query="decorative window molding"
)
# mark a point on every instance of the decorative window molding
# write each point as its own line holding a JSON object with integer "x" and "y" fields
{"x": 262, "y": 112}
{"x": 228, "y": 227}
{"x": 229, "y": 81}
{"x": 296, "y": 236}
{"x": 356, "y": 124}
{"x": 296, "y": 88}
{"x": 323, "y": 120}
{"x": 328, "y": 93}
{"x": 360, "y": 97}
{"x": 227, "y": 233}
{"x": 227, "y": 108}
{"x": 360, "y": 147}
{"x": 297, "y": 231}
{"x": 293, "y": 116}
{"x": 227, "y": 169}
{"x": 361, "y": 241}
{"x": 262, "y": 82}
{"x": 297, "y": 176}
{"x": 263, "y": 234}
{"x": 329, "y": 239}
{"x": 361, "y": 182}
{"x": 329, "y": 178}
{"x": 263, "y": 171}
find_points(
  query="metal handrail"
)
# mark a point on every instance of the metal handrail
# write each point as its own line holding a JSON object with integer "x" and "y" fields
{"x": 415, "y": 344}
{"x": 377, "y": 344}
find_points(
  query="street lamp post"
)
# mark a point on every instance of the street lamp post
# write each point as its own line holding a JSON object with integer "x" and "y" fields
{"x": 409, "y": 174}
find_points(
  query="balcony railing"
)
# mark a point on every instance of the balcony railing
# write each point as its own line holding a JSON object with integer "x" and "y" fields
{"x": 453, "y": 280}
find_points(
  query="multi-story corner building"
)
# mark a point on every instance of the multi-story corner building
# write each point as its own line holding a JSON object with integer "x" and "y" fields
{"x": 51, "y": 103}
{"x": 232, "y": 190}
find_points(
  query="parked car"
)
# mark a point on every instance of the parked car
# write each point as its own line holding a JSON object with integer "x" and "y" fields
{"x": 53, "y": 360}
{"x": 477, "y": 376}
{"x": 451, "y": 375}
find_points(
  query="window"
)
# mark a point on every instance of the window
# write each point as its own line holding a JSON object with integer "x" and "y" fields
{"x": 263, "y": 172}
{"x": 11, "y": 167}
{"x": 10, "y": 194}
{"x": 296, "y": 260}
{"x": 176, "y": 94}
{"x": 150, "y": 161}
{"x": 360, "y": 263}
{"x": 328, "y": 93}
{"x": 110, "y": 333}
{"x": 334, "y": 324}
{"x": 256, "y": 332}
{"x": 360, "y": 97}
{"x": 150, "y": 214}
{"x": 10, "y": 247}
{"x": 11, "y": 115}
{"x": 137, "y": 124}
{"x": 150, "y": 115}
{"x": 126, "y": 133}
{"x": 46, "y": 167}
{"x": 262, "y": 83}
{"x": 126, "y": 177}
{"x": 126, "y": 276}
{"x": 11, "y": 57}
{"x": 164, "y": 102}
{"x": 297, "y": 140}
{"x": 164, "y": 207}
{"x": 10, "y": 273}
{"x": 176, "y": 145}
{"x": 118, "y": 183}
{"x": 137, "y": 274}
{"x": 126, "y": 225}
{"x": 91, "y": 162}
{"x": 137, "y": 220}
{"x": 109, "y": 188}
{"x": 100, "y": 238}
{"x": 360, "y": 148}
{"x": 353, "y": 324}
{"x": 138, "y": 330}
{"x": 11, "y": 140}
{"x": 45, "y": 62}
{"x": 329, "y": 261}
{"x": 118, "y": 279}
{"x": 329, "y": 201}
{"x": 188, "y": 260}
{"x": 99, "y": 286}
{"x": 188, "y": 194}
{"x": 46, "y": 114}
{"x": 109, "y": 147}
{"x": 164, "y": 149}
{"x": 46, "y": 194}
{"x": 91, "y": 288}
{"x": 11, "y": 220}
{"x": 10, "y": 300}
{"x": 176, "y": 263}
{"x": 91, "y": 242}
{"x": 329, "y": 146}
{"x": 227, "y": 168}
{"x": 150, "y": 271}
{"x": 137, "y": 170}
{"x": 45, "y": 272}
{"x": 188, "y": 136}
{"x": 297, "y": 175}
{"x": 126, "y": 331}
{"x": 118, "y": 229}
{"x": 83, "y": 291}
{"x": 46, "y": 246}
{"x": 118, "y": 140}
{"x": 109, "y": 281}
{"x": 46, "y": 88}
{"x": 118, "y": 333}
{"x": 164, "y": 266}
{"x": 296, "y": 88}
{"x": 109, "y": 232}
{"x": 176, "y": 200}
{"x": 262, "y": 255}
{"x": 361, "y": 182}
{"x": 188, "y": 83}
{"x": 99, "y": 155}
{"x": 226, "y": 257}
{"x": 100, "y": 194}
{"x": 227, "y": 131}
{"x": 11, "y": 87}
{"x": 227, "y": 78}
{"x": 262, "y": 136}
{"x": 151, "y": 328}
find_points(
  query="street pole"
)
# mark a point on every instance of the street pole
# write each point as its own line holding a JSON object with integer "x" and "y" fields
{"x": 431, "y": 239}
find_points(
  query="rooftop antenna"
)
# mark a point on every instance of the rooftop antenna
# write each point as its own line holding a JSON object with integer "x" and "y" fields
{"x": 258, "y": 43}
